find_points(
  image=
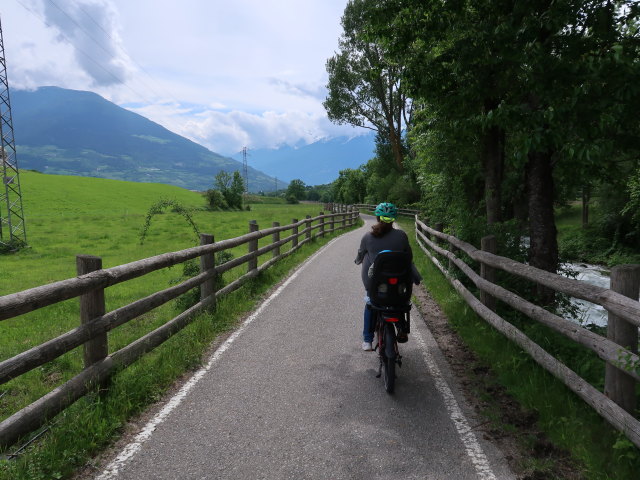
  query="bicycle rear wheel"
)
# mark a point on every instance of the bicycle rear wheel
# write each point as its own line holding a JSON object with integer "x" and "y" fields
{"x": 389, "y": 359}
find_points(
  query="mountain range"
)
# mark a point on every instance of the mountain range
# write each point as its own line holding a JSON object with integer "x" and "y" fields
{"x": 71, "y": 132}
{"x": 317, "y": 163}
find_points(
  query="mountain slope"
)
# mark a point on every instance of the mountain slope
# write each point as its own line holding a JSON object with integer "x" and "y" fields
{"x": 317, "y": 163}
{"x": 72, "y": 132}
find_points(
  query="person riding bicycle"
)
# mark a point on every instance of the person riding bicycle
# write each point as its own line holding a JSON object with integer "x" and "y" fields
{"x": 381, "y": 237}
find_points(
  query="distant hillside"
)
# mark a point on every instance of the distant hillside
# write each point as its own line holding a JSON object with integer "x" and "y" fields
{"x": 72, "y": 132}
{"x": 318, "y": 163}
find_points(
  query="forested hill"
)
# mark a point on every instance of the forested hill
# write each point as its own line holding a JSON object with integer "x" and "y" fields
{"x": 73, "y": 132}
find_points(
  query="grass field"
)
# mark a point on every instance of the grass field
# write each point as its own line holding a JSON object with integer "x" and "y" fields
{"x": 66, "y": 216}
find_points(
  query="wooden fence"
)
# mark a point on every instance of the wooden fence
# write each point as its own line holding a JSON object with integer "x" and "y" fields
{"x": 90, "y": 285}
{"x": 619, "y": 350}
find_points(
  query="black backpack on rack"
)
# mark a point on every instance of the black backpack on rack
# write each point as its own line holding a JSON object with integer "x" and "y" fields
{"x": 391, "y": 280}
{"x": 390, "y": 289}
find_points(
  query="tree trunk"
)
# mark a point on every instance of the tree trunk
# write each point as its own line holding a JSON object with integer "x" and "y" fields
{"x": 493, "y": 161}
{"x": 542, "y": 226}
{"x": 396, "y": 147}
{"x": 586, "y": 197}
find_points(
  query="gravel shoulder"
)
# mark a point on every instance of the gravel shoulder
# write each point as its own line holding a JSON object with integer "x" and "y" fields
{"x": 530, "y": 455}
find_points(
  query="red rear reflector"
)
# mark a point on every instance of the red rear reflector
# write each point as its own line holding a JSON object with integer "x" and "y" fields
{"x": 393, "y": 281}
{"x": 391, "y": 319}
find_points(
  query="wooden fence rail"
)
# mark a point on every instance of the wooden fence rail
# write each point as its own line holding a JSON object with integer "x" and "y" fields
{"x": 89, "y": 286}
{"x": 617, "y": 404}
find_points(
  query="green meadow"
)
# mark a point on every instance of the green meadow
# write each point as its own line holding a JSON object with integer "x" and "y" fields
{"x": 67, "y": 216}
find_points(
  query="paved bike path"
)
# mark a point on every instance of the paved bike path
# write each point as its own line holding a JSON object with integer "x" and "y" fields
{"x": 293, "y": 396}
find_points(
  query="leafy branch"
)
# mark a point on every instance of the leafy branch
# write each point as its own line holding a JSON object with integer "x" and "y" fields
{"x": 159, "y": 208}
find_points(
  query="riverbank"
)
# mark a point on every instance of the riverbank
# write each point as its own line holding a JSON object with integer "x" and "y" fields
{"x": 589, "y": 244}
{"x": 551, "y": 420}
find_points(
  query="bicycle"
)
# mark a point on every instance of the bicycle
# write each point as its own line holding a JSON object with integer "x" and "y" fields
{"x": 387, "y": 321}
{"x": 389, "y": 299}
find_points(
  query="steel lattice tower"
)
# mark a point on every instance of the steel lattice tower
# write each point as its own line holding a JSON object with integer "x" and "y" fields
{"x": 13, "y": 233}
{"x": 245, "y": 170}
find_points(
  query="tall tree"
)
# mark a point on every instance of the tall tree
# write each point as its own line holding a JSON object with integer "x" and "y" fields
{"x": 525, "y": 81}
{"x": 364, "y": 88}
{"x": 231, "y": 186}
{"x": 296, "y": 189}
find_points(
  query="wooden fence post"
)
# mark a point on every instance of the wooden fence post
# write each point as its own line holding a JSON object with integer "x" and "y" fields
{"x": 321, "y": 234}
{"x": 344, "y": 220}
{"x": 207, "y": 262}
{"x": 618, "y": 386}
{"x": 276, "y": 238}
{"x": 294, "y": 240}
{"x": 253, "y": 246}
{"x": 453, "y": 250}
{"x": 308, "y": 227}
{"x": 488, "y": 244}
{"x": 438, "y": 227}
{"x": 92, "y": 306}
{"x": 427, "y": 234}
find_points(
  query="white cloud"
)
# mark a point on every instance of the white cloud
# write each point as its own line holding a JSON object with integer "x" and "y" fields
{"x": 224, "y": 74}
{"x": 227, "y": 132}
{"x": 89, "y": 27}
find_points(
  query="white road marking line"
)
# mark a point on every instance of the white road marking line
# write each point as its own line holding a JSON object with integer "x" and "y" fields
{"x": 113, "y": 469}
{"x": 468, "y": 438}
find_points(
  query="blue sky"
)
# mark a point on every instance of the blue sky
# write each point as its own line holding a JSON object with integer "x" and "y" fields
{"x": 225, "y": 74}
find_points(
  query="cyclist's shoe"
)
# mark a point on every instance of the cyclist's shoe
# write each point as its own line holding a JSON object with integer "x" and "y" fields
{"x": 367, "y": 346}
{"x": 402, "y": 337}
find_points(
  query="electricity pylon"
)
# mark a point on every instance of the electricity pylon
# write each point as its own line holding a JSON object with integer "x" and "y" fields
{"x": 13, "y": 233}
{"x": 245, "y": 168}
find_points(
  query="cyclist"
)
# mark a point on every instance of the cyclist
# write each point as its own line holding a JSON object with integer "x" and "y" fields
{"x": 381, "y": 237}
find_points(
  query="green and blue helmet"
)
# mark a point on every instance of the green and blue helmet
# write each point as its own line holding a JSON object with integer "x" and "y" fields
{"x": 387, "y": 212}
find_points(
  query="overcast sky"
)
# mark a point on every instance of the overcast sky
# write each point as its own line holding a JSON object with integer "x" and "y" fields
{"x": 224, "y": 73}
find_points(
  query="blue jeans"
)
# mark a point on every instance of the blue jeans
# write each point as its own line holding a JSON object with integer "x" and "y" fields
{"x": 367, "y": 332}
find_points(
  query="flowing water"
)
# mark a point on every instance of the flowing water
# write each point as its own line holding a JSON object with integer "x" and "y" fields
{"x": 590, "y": 313}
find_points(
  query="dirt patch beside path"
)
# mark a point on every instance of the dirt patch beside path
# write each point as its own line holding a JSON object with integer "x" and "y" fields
{"x": 530, "y": 454}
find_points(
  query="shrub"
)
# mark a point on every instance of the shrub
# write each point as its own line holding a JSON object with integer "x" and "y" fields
{"x": 216, "y": 199}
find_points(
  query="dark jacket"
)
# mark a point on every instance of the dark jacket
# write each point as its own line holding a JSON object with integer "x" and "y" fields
{"x": 395, "y": 240}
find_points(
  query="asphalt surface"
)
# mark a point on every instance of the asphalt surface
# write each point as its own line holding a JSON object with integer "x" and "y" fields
{"x": 295, "y": 397}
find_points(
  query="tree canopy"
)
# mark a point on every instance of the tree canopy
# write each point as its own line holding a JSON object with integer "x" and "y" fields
{"x": 364, "y": 88}
{"x": 518, "y": 106}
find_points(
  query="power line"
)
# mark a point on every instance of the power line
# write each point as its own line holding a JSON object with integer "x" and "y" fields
{"x": 99, "y": 44}
{"x": 88, "y": 56}
{"x": 119, "y": 80}
{"x": 125, "y": 52}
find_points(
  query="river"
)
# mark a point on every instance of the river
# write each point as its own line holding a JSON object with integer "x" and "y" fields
{"x": 590, "y": 313}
